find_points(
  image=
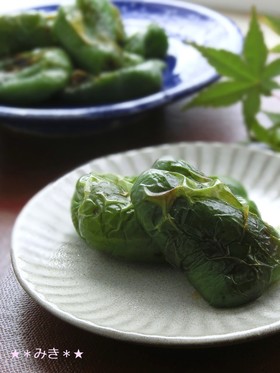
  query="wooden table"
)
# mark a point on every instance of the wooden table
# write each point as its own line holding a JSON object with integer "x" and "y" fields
{"x": 28, "y": 163}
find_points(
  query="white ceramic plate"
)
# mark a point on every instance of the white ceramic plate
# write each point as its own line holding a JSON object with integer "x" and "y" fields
{"x": 136, "y": 302}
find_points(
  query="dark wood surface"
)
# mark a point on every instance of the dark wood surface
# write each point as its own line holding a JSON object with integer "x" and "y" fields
{"x": 27, "y": 164}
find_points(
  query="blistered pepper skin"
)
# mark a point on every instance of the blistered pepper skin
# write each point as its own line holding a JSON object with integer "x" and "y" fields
{"x": 182, "y": 167}
{"x": 103, "y": 215}
{"x": 104, "y": 18}
{"x": 227, "y": 253}
{"x": 91, "y": 51}
{"x": 33, "y": 77}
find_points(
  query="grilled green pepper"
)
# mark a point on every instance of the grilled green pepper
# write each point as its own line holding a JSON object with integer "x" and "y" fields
{"x": 103, "y": 17}
{"x": 149, "y": 43}
{"x": 229, "y": 254}
{"x": 33, "y": 77}
{"x": 25, "y": 31}
{"x": 90, "y": 45}
{"x": 103, "y": 215}
{"x": 185, "y": 169}
{"x": 116, "y": 86}
{"x": 91, "y": 36}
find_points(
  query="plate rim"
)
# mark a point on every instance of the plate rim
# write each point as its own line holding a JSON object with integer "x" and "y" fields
{"x": 136, "y": 337}
{"x": 131, "y": 107}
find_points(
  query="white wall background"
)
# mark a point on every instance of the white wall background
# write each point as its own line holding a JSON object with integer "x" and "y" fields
{"x": 270, "y": 6}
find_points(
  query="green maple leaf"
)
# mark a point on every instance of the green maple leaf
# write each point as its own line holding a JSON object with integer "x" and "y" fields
{"x": 221, "y": 94}
{"x": 271, "y": 70}
{"x": 226, "y": 63}
{"x": 251, "y": 104}
{"x": 255, "y": 51}
{"x": 247, "y": 77}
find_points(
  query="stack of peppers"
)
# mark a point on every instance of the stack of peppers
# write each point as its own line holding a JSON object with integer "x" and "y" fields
{"x": 79, "y": 54}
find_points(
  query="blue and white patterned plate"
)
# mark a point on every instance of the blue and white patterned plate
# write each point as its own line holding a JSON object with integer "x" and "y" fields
{"x": 187, "y": 71}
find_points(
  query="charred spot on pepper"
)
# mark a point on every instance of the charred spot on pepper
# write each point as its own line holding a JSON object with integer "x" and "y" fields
{"x": 79, "y": 77}
{"x": 230, "y": 259}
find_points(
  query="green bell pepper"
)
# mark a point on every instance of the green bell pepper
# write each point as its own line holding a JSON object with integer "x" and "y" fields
{"x": 229, "y": 254}
{"x": 185, "y": 169}
{"x": 78, "y": 33}
{"x": 25, "y": 31}
{"x": 33, "y": 77}
{"x": 149, "y": 43}
{"x": 103, "y": 17}
{"x": 103, "y": 215}
{"x": 116, "y": 86}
